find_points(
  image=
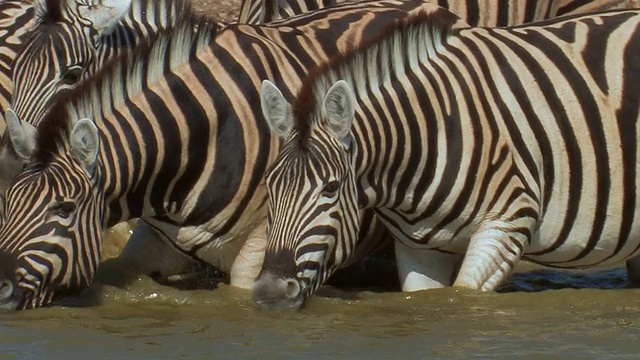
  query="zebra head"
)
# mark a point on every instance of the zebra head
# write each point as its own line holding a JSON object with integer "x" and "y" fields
{"x": 51, "y": 223}
{"x": 313, "y": 218}
{"x": 60, "y": 51}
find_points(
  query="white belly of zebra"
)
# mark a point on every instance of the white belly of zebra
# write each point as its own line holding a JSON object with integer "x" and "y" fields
{"x": 557, "y": 241}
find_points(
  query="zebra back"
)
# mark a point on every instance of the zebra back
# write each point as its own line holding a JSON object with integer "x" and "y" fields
{"x": 517, "y": 12}
{"x": 266, "y": 11}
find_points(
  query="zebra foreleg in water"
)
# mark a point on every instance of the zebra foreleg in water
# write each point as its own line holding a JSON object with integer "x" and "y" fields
{"x": 491, "y": 144}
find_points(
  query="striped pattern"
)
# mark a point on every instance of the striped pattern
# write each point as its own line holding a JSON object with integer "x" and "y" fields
{"x": 481, "y": 146}
{"x": 16, "y": 21}
{"x": 489, "y": 13}
{"x": 474, "y": 12}
{"x": 231, "y": 214}
{"x": 167, "y": 116}
{"x": 266, "y": 11}
{"x": 65, "y": 49}
{"x": 514, "y": 12}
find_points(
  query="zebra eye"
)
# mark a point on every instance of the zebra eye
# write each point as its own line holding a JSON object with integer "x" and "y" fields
{"x": 330, "y": 189}
{"x": 72, "y": 75}
{"x": 63, "y": 209}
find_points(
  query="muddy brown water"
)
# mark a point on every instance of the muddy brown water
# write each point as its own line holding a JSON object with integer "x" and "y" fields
{"x": 538, "y": 314}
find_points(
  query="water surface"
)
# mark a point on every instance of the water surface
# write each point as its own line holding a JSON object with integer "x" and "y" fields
{"x": 540, "y": 313}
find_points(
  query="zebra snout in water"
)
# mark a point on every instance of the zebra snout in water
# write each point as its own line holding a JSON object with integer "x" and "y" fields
{"x": 7, "y": 281}
{"x": 277, "y": 293}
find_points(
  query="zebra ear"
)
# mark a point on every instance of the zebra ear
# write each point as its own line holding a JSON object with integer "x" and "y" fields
{"x": 85, "y": 143}
{"x": 339, "y": 107}
{"x": 22, "y": 135}
{"x": 276, "y": 109}
{"x": 103, "y": 15}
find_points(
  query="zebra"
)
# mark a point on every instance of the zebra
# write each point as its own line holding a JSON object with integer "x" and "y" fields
{"x": 476, "y": 148}
{"x": 140, "y": 140}
{"x": 68, "y": 35}
{"x": 73, "y": 39}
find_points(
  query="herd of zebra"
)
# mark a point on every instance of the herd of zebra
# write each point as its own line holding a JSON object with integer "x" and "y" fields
{"x": 452, "y": 129}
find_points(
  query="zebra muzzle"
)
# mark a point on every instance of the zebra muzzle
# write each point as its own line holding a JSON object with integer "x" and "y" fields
{"x": 277, "y": 293}
{"x": 7, "y": 284}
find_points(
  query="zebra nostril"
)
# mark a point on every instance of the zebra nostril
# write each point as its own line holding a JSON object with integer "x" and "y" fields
{"x": 292, "y": 288}
{"x": 6, "y": 289}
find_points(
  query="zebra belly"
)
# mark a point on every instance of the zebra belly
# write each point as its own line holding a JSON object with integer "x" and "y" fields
{"x": 579, "y": 248}
{"x": 586, "y": 243}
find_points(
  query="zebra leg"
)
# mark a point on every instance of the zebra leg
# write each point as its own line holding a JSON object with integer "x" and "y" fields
{"x": 150, "y": 251}
{"x": 424, "y": 269}
{"x": 633, "y": 271}
{"x": 492, "y": 254}
{"x": 248, "y": 262}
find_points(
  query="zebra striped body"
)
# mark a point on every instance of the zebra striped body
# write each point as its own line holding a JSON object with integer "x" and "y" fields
{"x": 474, "y": 12}
{"x": 16, "y": 21}
{"x": 106, "y": 153}
{"x": 515, "y": 12}
{"x": 475, "y": 147}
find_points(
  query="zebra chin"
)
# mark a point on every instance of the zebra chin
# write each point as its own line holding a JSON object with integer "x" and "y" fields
{"x": 7, "y": 300}
{"x": 275, "y": 292}
{"x": 13, "y": 297}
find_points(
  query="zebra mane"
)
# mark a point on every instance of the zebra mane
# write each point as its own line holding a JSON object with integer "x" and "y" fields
{"x": 397, "y": 48}
{"x": 49, "y": 12}
{"x": 120, "y": 79}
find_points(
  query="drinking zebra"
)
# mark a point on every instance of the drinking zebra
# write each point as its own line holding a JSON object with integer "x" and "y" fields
{"x": 166, "y": 133}
{"x": 476, "y": 148}
{"x": 161, "y": 229}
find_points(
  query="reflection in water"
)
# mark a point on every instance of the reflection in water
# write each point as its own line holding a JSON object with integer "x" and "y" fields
{"x": 147, "y": 320}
